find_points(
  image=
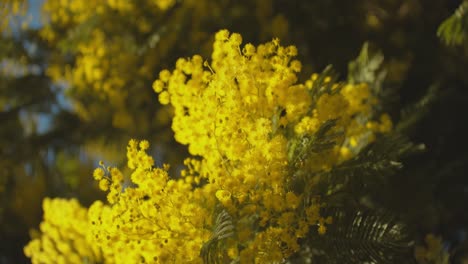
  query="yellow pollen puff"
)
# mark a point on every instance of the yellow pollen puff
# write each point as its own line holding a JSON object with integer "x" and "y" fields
{"x": 249, "y": 49}
{"x": 235, "y": 39}
{"x": 164, "y": 98}
{"x": 222, "y": 35}
{"x": 291, "y": 51}
{"x": 104, "y": 184}
{"x": 158, "y": 86}
{"x": 296, "y": 65}
{"x": 144, "y": 144}
{"x": 98, "y": 173}
{"x": 223, "y": 196}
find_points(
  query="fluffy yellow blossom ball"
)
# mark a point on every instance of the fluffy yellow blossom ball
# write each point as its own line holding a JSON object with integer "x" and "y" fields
{"x": 223, "y": 196}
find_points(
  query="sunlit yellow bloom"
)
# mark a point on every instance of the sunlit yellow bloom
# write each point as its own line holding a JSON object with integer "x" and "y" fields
{"x": 241, "y": 116}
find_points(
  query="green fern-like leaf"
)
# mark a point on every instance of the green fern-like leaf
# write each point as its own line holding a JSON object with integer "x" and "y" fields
{"x": 211, "y": 251}
{"x": 366, "y": 67}
{"x": 363, "y": 236}
{"x": 454, "y": 30}
{"x": 410, "y": 115}
{"x": 371, "y": 167}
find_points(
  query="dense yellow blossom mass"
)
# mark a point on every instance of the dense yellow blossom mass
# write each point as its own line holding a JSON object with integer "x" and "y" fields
{"x": 161, "y": 219}
{"x": 243, "y": 116}
{"x": 64, "y": 235}
{"x": 114, "y": 56}
{"x": 229, "y": 113}
{"x": 110, "y": 56}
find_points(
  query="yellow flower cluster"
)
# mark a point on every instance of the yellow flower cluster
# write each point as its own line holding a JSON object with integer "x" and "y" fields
{"x": 240, "y": 116}
{"x": 154, "y": 219}
{"x": 101, "y": 68}
{"x": 77, "y": 11}
{"x": 64, "y": 237}
{"x": 114, "y": 57}
{"x": 229, "y": 112}
{"x": 108, "y": 57}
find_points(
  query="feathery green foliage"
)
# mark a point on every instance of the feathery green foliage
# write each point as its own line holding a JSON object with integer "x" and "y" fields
{"x": 364, "y": 236}
{"x": 211, "y": 251}
{"x": 454, "y": 30}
